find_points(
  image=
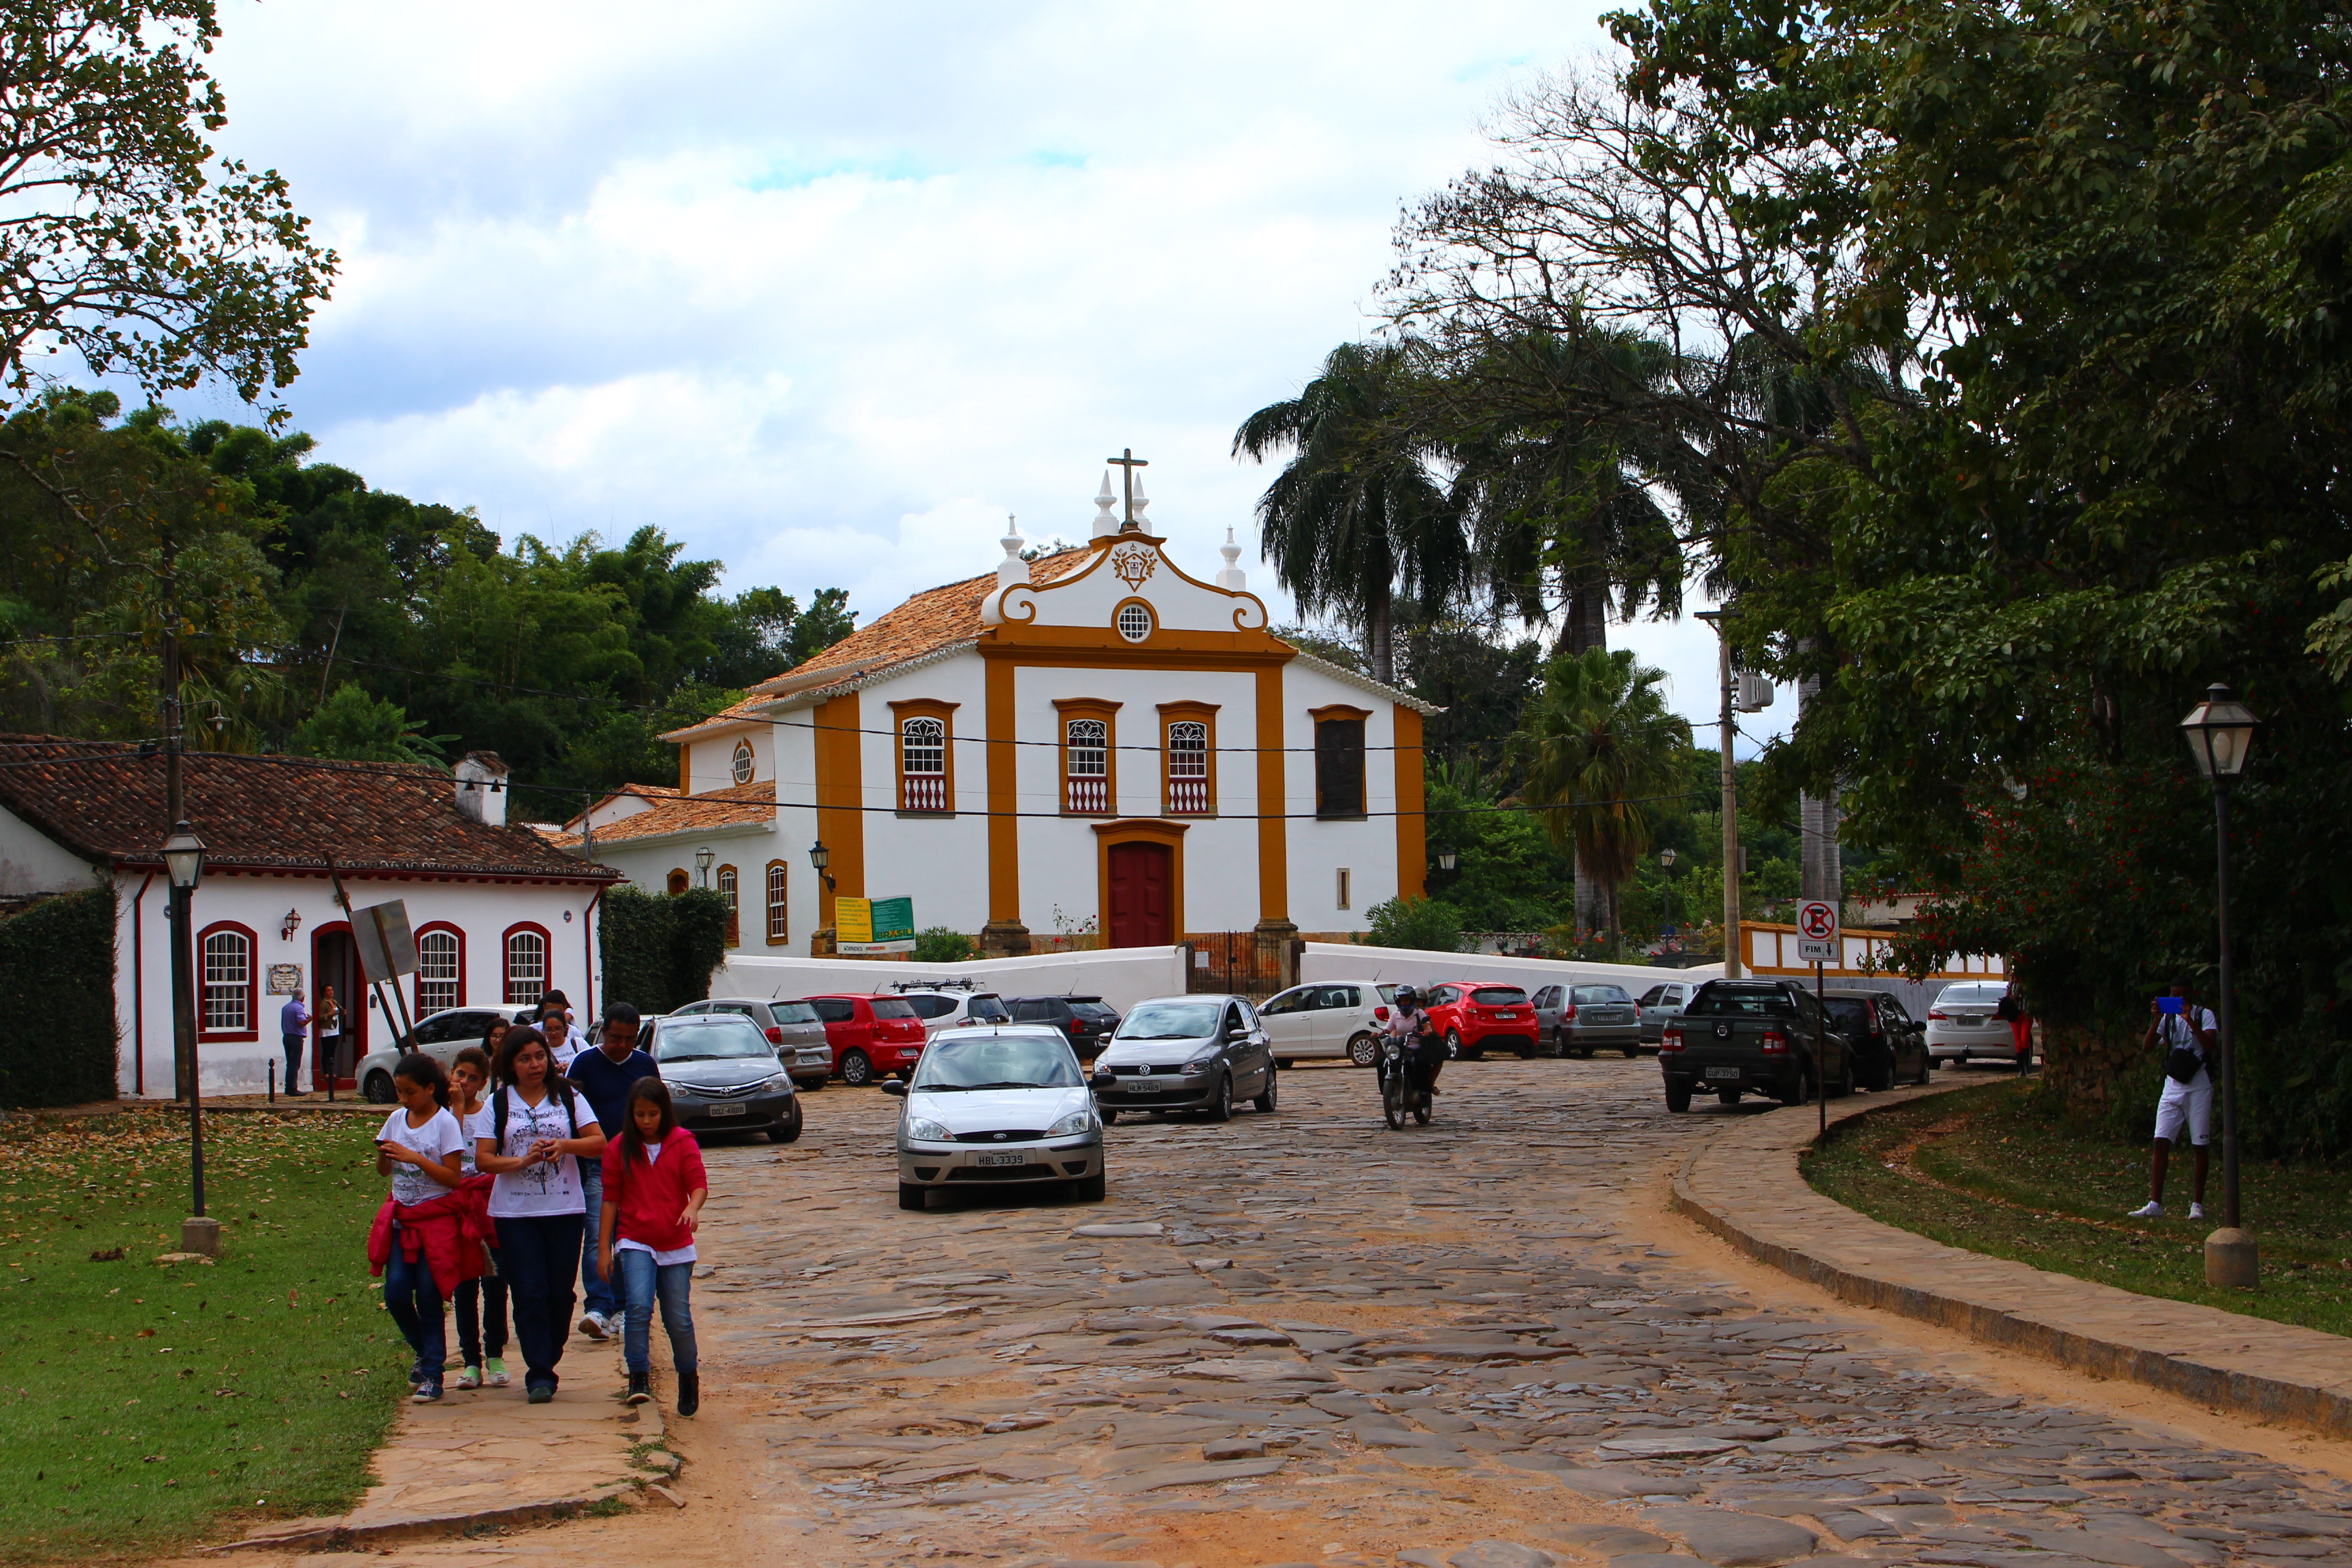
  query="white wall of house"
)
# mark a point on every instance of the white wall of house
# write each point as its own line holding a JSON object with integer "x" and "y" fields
{"x": 32, "y": 862}
{"x": 1318, "y": 849}
{"x": 1346, "y": 961}
{"x": 711, "y": 758}
{"x": 1121, "y": 976}
{"x": 748, "y": 846}
{"x": 483, "y": 913}
{"x": 942, "y": 863}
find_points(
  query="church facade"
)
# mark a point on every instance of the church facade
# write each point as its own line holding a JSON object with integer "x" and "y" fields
{"x": 1094, "y": 743}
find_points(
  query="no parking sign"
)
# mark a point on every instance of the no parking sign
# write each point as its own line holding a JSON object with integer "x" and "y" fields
{"x": 1817, "y": 932}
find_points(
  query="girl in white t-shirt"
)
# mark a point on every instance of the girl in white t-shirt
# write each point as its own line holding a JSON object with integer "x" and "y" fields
{"x": 482, "y": 1302}
{"x": 419, "y": 1148}
{"x": 538, "y": 1133}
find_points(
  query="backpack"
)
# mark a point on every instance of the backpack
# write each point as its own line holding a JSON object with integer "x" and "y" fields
{"x": 2182, "y": 1062}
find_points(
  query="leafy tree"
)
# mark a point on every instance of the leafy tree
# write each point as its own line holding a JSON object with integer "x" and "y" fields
{"x": 124, "y": 240}
{"x": 355, "y": 727}
{"x": 1429, "y": 924}
{"x": 940, "y": 944}
{"x": 1599, "y": 749}
{"x": 1356, "y": 515}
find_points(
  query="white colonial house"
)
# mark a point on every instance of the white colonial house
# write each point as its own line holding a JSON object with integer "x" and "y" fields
{"x": 1096, "y": 742}
{"x": 500, "y": 916}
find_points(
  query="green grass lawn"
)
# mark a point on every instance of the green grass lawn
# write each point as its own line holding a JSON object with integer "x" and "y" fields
{"x": 144, "y": 1406}
{"x": 1994, "y": 1170}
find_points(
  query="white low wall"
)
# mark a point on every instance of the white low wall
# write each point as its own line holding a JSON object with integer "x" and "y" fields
{"x": 1121, "y": 976}
{"x": 1348, "y": 961}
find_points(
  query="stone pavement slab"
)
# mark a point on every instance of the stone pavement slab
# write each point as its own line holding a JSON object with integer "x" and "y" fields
{"x": 1745, "y": 1186}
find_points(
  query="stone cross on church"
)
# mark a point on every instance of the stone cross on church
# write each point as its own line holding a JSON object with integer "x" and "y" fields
{"x": 1127, "y": 462}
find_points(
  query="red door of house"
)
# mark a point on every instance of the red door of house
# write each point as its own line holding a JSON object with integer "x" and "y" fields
{"x": 1139, "y": 896}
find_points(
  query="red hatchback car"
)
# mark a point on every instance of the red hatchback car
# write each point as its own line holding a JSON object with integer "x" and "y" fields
{"x": 870, "y": 1034}
{"x": 1474, "y": 1017}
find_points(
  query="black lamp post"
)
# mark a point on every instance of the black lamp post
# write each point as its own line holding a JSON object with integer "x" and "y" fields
{"x": 820, "y": 858}
{"x": 183, "y": 863}
{"x": 702, "y": 859}
{"x": 2220, "y": 732}
{"x": 1666, "y": 862}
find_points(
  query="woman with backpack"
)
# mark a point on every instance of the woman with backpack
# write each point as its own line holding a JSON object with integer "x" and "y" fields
{"x": 418, "y": 1147}
{"x": 654, "y": 1191}
{"x": 539, "y": 1135}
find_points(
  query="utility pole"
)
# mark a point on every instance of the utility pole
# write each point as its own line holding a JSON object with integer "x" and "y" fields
{"x": 1730, "y": 802}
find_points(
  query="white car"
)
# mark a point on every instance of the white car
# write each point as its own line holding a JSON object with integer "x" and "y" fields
{"x": 1960, "y": 1023}
{"x": 945, "y": 1009}
{"x": 990, "y": 1106}
{"x": 440, "y": 1035}
{"x": 1333, "y": 1019}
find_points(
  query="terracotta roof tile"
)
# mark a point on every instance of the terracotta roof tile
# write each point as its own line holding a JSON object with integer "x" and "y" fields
{"x": 104, "y": 801}
{"x": 687, "y": 813}
{"x": 933, "y": 619}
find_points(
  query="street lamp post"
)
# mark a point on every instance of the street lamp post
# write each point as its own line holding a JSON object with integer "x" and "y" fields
{"x": 183, "y": 863}
{"x": 820, "y": 858}
{"x": 702, "y": 859}
{"x": 1666, "y": 860}
{"x": 2219, "y": 731}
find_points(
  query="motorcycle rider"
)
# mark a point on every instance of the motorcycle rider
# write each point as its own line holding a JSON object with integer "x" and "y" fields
{"x": 1423, "y": 1054}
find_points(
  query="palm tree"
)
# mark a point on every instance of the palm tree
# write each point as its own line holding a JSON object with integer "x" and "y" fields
{"x": 1596, "y": 749}
{"x": 1357, "y": 515}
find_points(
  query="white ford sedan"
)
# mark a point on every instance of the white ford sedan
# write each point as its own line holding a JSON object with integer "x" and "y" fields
{"x": 998, "y": 1105}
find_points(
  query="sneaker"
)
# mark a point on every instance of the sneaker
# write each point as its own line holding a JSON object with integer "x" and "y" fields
{"x": 2196, "y": 1211}
{"x": 541, "y": 1393}
{"x": 470, "y": 1378}
{"x": 417, "y": 1375}
{"x": 427, "y": 1394}
{"x": 690, "y": 1393}
{"x": 641, "y": 1390}
{"x": 494, "y": 1372}
{"x": 2149, "y": 1210}
{"x": 593, "y": 1327}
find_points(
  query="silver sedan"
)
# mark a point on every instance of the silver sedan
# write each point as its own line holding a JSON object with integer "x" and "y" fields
{"x": 996, "y": 1106}
{"x": 1186, "y": 1053}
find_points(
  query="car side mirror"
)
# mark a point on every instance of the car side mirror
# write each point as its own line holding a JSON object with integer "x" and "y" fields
{"x": 894, "y": 1089}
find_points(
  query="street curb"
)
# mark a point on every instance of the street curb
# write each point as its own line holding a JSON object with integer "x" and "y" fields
{"x": 1745, "y": 1186}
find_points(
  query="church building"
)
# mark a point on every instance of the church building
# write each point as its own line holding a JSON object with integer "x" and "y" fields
{"x": 1093, "y": 742}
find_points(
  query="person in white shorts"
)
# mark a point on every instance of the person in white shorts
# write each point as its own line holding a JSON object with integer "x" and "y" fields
{"x": 2186, "y": 1104}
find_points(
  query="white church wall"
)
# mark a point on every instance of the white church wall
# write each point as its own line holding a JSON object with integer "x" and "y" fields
{"x": 1367, "y": 849}
{"x": 711, "y": 760}
{"x": 940, "y": 862}
{"x": 794, "y": 748}
{"x": 482, "y": 912}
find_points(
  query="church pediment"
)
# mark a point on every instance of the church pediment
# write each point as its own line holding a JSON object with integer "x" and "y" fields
{"x": 1132, "y": 592}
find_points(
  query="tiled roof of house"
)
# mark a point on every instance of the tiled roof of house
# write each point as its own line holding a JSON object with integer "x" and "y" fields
{"x": 103, "y": 800}
{"x": 933, "y": 619}
{"x": 687, "y": 814}
{"x": 626, "y": 792}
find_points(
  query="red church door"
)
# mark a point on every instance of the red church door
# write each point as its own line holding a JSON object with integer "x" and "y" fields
{"x": 1139, "y": 896}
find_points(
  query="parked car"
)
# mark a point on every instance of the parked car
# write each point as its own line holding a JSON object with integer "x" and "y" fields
{"x": 946, "y": 1009}
{"x": 869, "y": 1035}
{"x": 1577, "y": 1020}
{"x": 440, "y": 1035}
{"x": 1341, "y": 1018}
{"x": 1889, "y": 1045}
{"x": 998, "y": 1105}
{"x": 1961, "y": 1026}
{"x": 1750, "y": 1036}
{"x": 1661, "y": 1004}
{"x": 723, "y": 1076}
{"x": 793, "y": 1027}
{"x": 1186, "y": 1053}
{"x": 1085, "y": 1021}
{"x": 1474, "y": 1017}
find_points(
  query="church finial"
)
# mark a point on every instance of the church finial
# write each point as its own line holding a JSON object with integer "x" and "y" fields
{"x": 1011, "y": 569}
{"x": 1231, "y": 577}
{"x": 1106, "y": 521}
{"x": 1136, "y": 519}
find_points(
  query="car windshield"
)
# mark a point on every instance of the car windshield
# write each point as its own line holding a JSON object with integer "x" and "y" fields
{"x": 1170, "y": 1021}
{"x": 998, "y": 1061}
{"x": 699, "y": 1039}
{"x": 1742, "y": 1001}
{"x": 891, "y": 1007}
{"x": 1093, "y": 1010}
{"x": 1601, "y": 995}
{"x": 793, "y": 1012}
{"x": 1499, "y": 995}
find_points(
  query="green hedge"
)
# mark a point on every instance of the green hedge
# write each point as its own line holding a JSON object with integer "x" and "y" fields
{"x": 659, "y": 949}
{"x": 56, "y": 980}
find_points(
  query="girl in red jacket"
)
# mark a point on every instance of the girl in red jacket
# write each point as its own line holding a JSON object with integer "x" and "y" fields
{"x": 654, "y": 1191}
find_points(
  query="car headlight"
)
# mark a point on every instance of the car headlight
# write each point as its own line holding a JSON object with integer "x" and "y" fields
{"x": 1076, "y": 1121}
{"x": 1200, "y": 1064}
{"x": 925, "y": 1130}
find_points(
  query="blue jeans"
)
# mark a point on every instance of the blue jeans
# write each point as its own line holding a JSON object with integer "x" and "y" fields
{"x": 594, "y": 1288}
{"x": 643, "y": 1281}
{"x": 414, "y": 1301}
{"x": 540, "y": 1256}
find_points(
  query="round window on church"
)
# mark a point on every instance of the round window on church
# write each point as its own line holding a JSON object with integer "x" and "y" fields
{"x": 743, "y": 763}
{"x": 1134, "y": 621}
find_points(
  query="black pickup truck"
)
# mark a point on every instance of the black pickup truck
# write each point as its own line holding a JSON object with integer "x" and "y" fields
{"x": 1750, "y": 1036}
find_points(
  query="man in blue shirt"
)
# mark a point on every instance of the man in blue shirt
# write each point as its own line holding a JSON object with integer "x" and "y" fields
{"x": 293, "y": 1030}
{"x": 604, "y": 1075}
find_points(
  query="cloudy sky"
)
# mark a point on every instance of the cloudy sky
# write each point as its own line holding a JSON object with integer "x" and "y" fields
{"x": 828, "y": 290}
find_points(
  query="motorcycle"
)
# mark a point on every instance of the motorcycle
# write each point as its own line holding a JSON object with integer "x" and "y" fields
{"x": 1400, "y": 1095}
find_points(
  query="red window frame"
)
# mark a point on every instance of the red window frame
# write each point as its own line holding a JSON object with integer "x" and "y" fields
{"x": 252, "y": 983}
{"x": 435, "y": 928}
{"x": 506, "y": 962}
